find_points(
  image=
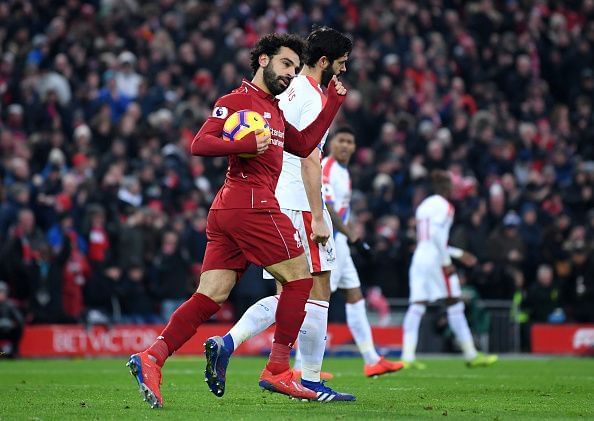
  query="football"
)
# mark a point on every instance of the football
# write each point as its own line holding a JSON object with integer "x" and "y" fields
{"x": 242, "y": 122}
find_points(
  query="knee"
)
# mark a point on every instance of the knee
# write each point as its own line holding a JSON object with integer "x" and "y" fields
{"x": 321, "y": 287}
{"x": 217, "y": 290}
{"x": 353, "y": 296}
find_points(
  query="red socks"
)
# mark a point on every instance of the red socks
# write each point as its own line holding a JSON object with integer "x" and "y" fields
{"x": 289, "y": 318}
{"x": 182, "y": 326}
{"x": 159, "y": 351}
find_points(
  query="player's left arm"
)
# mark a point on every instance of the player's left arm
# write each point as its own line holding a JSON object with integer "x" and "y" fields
{"x": 464, "y": 256}
{"x": 303, "y": 143}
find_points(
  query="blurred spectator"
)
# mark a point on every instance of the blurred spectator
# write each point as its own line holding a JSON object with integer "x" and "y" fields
{"x": 531, "y": 233}
{"x": 101, "y": 294}
{"x": 507, "y": 252}
{"x": 542, "y": 301}
{"x": 131, "y": 240}
{"x": 20, "y": 257}
{"x": 18, "y": 199}
{"x": 11, "y": 325}
{"x": 137, "y": 305}
{"x": 127, "y": 80}
{"x": 170, "y": 274}
{"x": 578, "y": 288}
{"x": 98, "y": 237}
{"x": 75, "y": 275}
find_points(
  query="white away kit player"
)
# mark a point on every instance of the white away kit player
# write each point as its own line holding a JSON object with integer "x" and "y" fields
{"x": 432, "y": 276}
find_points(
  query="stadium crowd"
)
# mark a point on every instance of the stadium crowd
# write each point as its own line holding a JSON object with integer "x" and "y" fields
{"x": 103, "y": 210}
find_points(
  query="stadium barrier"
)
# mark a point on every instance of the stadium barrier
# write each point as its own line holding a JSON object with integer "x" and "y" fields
{"x": 499, "y": 334}
{"x": 44, "y": 341}
{"x": 572, "y": 339}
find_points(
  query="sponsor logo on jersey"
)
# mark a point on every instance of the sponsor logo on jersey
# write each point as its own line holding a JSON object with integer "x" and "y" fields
{"x": 220, "y": 112}
{"x": 278, "y": 143}
{"x": 277, "y": 133}
{"x": 330, "y": 257}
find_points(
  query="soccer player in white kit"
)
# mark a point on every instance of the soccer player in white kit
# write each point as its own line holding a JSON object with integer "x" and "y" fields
{"x": 432, "y": 276}
{"x": 299, "y": 193}
{"x": 337, "y": 192}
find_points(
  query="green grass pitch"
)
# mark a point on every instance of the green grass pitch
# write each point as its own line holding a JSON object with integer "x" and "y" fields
{"x": 551, "y": 388}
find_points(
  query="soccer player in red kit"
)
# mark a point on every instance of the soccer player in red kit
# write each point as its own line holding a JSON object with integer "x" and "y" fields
{"x": 245, "y": 223}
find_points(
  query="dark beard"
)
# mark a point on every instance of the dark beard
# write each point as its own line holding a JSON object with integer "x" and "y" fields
{"x": 327, "y": 74}
{"x": 272, "y": 81}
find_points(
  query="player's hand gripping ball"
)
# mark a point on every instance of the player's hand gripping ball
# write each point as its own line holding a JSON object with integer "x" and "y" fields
{"x": 241, "y": 123}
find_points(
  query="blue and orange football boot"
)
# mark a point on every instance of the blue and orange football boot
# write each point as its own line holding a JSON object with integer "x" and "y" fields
{"x": 326, "y": 394}
{"x": 148, "y": 375}
{"x": 217, "y": 360}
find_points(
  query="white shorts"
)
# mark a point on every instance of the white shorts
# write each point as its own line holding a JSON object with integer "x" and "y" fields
{"x": 345, "y": 275}
{"x": 428, "y": 282}
{"x": 319, "y": 258}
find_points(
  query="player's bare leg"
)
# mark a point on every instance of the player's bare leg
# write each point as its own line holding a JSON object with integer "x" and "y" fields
{"x": 358, "y": 323}
{"x": 215, "y": 286}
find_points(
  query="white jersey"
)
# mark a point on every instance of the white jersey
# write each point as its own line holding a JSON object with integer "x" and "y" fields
{"x": 337, "y": 190}
{"x": 301, "y": 103}
{"x": 434, "y": 218}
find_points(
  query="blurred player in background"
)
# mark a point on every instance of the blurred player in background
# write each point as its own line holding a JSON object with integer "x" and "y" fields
{"x": 299, "y": 195}
{"x": 245, "y": 223}
{"x": 337, "y": 192}
{"x": 433, "y": 277}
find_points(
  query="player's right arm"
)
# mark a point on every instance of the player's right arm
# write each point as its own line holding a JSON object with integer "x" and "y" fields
{"x": 311, "y": 174}
{"x": 208, "y": 141}
{"x": 465, "y": 257}
{"x": 311, "y": 170}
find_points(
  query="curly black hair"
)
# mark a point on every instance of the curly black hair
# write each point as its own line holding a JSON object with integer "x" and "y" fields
{"x": 325, "y": 41}
{"x": 270, "y": 45}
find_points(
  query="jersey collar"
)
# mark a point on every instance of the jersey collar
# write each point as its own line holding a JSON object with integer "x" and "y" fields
{"x": 250, "y": 87}
{"x": 315, "y": 84}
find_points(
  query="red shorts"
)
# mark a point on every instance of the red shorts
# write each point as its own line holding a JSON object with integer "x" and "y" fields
{"x": 237, "y": 237}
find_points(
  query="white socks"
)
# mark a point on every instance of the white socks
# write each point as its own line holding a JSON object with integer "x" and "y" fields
{"x": 312, "y": 335}
{"x": 411, "y": 323}
{"x": 459, "y": 325}
{"x": 312, "y": 339}
{"x": 358, "y": 323}
{"x": 256, "y": 319}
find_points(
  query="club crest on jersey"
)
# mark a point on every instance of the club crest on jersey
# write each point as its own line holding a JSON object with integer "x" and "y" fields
{"x": 297, "y": 239}
{"x": 220, "y": 112}
{"x": 330, "y": 257}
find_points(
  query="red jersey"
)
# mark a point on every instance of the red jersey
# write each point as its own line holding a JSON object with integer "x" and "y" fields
{"x": 251, "y": 182}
